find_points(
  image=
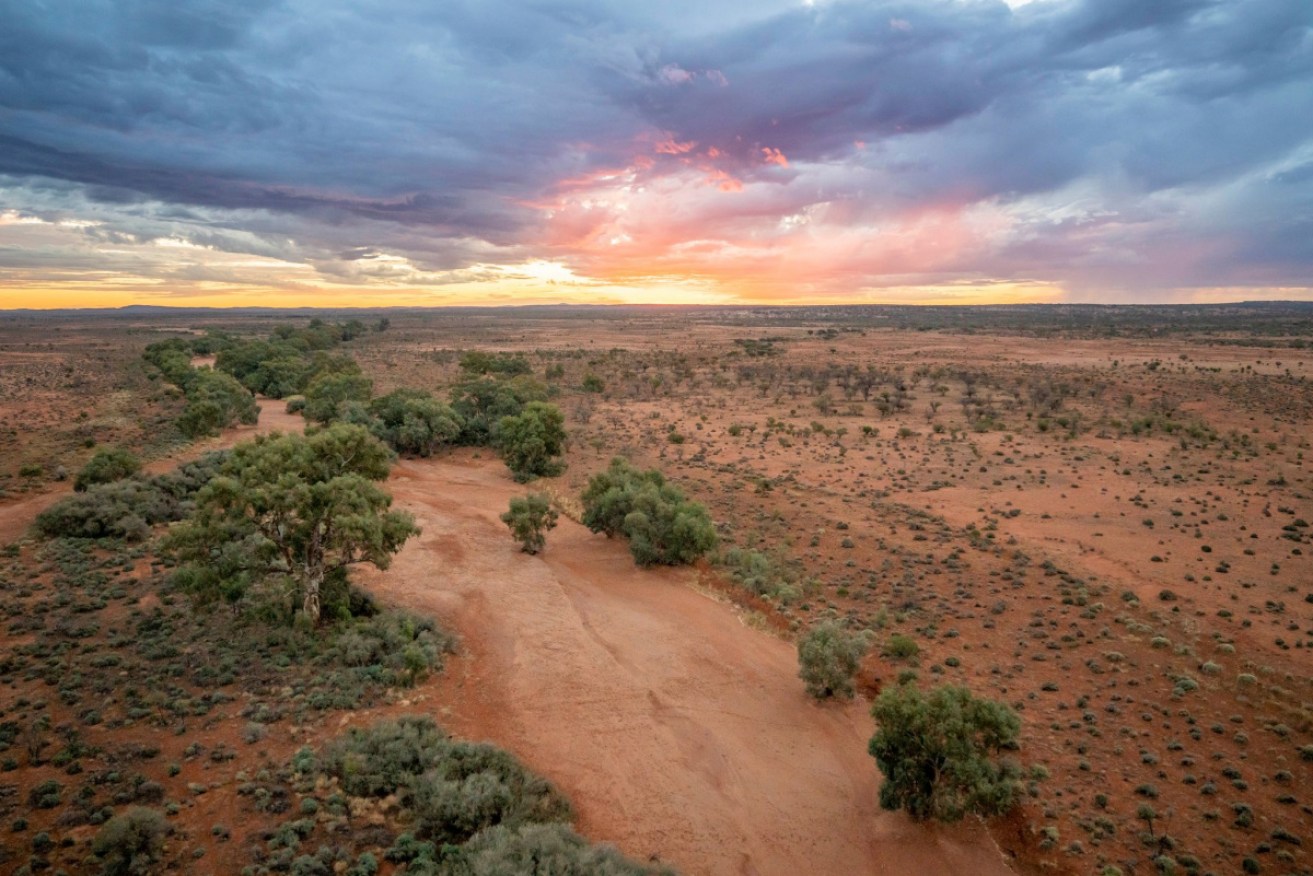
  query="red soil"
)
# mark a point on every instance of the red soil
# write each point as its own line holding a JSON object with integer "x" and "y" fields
{"x": 679, "y": 732}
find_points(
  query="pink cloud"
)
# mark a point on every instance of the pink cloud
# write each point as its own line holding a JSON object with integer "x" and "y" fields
{"x": 673, "y": 74}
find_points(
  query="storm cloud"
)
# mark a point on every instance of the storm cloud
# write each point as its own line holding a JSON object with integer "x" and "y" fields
{"x": 1108, "y": 149}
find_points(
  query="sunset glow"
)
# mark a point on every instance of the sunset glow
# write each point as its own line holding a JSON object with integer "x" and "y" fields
{"x": 951, "y": 151}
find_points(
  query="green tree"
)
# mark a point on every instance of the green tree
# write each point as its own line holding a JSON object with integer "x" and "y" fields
{"x": 938, "y": 752}
{"x": 828, "y": 657}
{"x": 666, "y": 529}
{"x": 328, "y": 393}
{"x": 215, "y": 401}
{"x": 532, "y": 442}
{"x": 173, "y": 358}
{"x": 508, "y": 364}
{"x": 529, "y": 519}
{"x": 291, "y": 508}
{"x": 483, "y": 401}
{"x": 609, "y": 496}
{"x": 111, "y": 464}
{"x": 414, "y": 423}
{"x": 662, "y": 526}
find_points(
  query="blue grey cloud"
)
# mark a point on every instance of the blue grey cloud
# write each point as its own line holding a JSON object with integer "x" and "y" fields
{"x": 326, "y": 131}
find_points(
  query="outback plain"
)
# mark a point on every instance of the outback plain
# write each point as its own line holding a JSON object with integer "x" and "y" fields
{"x": 1096, "y": 515}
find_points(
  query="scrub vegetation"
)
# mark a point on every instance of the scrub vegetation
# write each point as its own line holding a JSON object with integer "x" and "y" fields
{"x": 1055, "y": 562}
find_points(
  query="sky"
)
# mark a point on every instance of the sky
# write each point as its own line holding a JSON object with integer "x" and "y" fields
{"x": 413, "y": 152}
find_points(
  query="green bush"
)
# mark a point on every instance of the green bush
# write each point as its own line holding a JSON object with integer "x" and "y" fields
{"x": 187, "y": 479}
{"x": 533, "y": 441}
{"x": 454, "y": 789}
{"x": 482, "y": 402}
{"x": 938, "y": 750}
{"x": 828, "y": 657}
{"x": 127, "y": 508}
{"x": 900, "y": 647}
{"x": 776, "y": 575}
{"x": 662, "y": 526}
{"x": 328, "y": 397}
{"x": 112, "y": 464}
{"x": 541, "y": 850}
{"x": 382, "y": 759}
{"x": 215, "y": 401}
{"x": 474, "y": 786}
{"x": 413, "y": 422}
{"x": 131, "y": 843}
{"x": 121, "y": 509}
{"x": 529, "y": 519}
{"x": 406, "y": 645}
{"x": 479, "y": 362}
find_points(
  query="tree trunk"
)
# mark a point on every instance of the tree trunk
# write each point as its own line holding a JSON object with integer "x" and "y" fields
{"x": 310, "y": 603}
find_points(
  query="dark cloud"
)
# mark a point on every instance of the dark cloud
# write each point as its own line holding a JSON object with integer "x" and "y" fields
{"x": 431, "y": 129}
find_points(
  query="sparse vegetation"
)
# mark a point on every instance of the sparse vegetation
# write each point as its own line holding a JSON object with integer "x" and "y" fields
{"x": 985, "y": 517}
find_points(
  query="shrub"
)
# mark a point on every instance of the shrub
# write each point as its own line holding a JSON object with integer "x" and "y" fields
{"x": 480, "y": 362}
{"x": 900, "y": 647}
{"x": 474, "y": 786}
{"x": 937, "y": 752}
{"x": 828, "y": 657}
{"x": 113, "y": 464}
{"x": 122, "y": 509}
{"x": 328, "y": 395}
{"x": 541, "y": 850}
{"x": 46, "y": 795}
{"x": 482, "y": 402}
{"x": 405, "y": 645}
{"x": 381, "y": 759}
{"x": 776, "y": 575}
{"x": 455, "y": 789}
{"x": 662, "y": 526}
{"x": 187, "y": 479}
{"x": 413, "y": 422}
{"x": 131, "y": 843}
{"x": 533, "y": 441}
{"x": 529, "y": 519}
{"x": 215, "y": 401}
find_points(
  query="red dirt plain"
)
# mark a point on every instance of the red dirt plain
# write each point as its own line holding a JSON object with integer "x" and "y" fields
{"x": 1142, "y": 594}
{"x": 680, "y": 733}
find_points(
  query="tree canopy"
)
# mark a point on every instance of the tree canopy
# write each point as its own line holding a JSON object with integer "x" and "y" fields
{"x": 215, "y": 401}
{"x": 662, "y": 526}
{"x": 291, "y": 508}
{"x": 482, "y": 402}
{"x": 329, "y": 393}
{"x": 533, "y": 441}
{"x": 413, "y": 422}
{"x": 938, "y": 752}
{"x": 828, "y": 658}
{"x": 529, "y": 518}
